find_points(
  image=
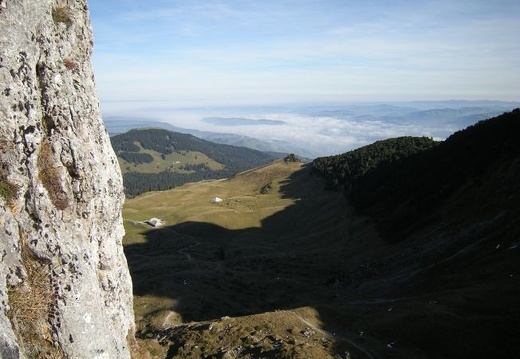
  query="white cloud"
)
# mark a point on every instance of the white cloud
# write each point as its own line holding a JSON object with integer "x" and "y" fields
{"x": 318, "y": 134}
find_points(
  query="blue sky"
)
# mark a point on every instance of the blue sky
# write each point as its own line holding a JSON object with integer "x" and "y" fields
{"x": 180, "y": 61}
{"x": 232, "y": 52}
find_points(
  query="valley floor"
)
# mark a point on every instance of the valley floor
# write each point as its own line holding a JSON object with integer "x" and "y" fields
{"x": 282, "y": 268}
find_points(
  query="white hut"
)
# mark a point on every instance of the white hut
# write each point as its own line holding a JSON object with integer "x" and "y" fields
{"x": 155, "y": 222}
{"x": 217, "y": 200}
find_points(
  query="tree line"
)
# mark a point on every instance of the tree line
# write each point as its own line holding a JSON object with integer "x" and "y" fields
{"x": 401, "y": 181}
{"x": 234, "y": 159}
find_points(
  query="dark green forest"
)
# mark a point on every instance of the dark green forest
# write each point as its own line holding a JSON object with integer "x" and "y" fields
{"x": 136, "y": 183}
{"x": 399, "y": 181}
{"x": 136, "y": 157}
{"x": 234, "y": 159}
{"x": 346, "y": 169}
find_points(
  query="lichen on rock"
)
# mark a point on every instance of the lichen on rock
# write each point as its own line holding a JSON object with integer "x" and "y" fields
{"x": 62, "y": 192}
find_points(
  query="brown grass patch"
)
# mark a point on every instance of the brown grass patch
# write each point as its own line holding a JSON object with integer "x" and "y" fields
{"x": 62, "y": 14}
{"x": 31, "y": 306}
{"x": 8, "y": 191}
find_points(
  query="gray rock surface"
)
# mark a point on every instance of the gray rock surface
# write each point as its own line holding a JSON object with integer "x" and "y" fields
{"x": 65, "y": 288}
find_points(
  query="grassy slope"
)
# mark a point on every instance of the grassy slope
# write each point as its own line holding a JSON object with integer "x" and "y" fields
{"x": 280, "y": 275}
{"x": 243, "y": 205}
{"x": 171, "y": 162}
{"x": 447, "y": 291}
{"x": 252, "y": 253}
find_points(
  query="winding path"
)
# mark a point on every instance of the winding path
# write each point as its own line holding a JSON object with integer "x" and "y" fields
{"x": 191, "y": 246}
{"x": 328, "y": 334}
{"x": 185, "y": 249}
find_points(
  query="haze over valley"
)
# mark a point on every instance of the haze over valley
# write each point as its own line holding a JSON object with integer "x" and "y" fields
{"x": 309, "y": 131}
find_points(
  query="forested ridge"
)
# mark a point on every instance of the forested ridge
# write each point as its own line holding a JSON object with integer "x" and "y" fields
{"x": 128, "y": 146}
{"x": 401, "y": 181}
{"x": 345, "y": 169}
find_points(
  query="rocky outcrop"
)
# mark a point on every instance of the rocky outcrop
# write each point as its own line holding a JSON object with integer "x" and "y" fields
{"x": 65, "y": 288}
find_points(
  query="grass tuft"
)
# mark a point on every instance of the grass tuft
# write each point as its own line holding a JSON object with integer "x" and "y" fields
{"x": 30, "y": 307}
{"x": 62, "y": 14}
{"x": 8, "y": 191}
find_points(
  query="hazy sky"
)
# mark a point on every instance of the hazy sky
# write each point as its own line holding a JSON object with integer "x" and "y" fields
{"x": 232, "y": 52}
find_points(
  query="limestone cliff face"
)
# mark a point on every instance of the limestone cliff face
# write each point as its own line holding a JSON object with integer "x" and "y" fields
{"x": 65, "y": 288}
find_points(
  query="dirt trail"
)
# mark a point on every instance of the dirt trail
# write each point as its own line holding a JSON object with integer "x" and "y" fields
{"x": 191, "y": 246}
{"x": 332, "y": 335}
{"x": 185, "y": 249}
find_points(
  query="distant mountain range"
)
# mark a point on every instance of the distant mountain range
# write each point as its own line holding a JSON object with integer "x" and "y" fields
{"x": 315, "y": 130}
{"x": 117, "y": 125}
{"x": 459, "y": 117}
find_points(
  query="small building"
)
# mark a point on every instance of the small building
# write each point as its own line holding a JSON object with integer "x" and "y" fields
{"x": 155, "y": 222}
{"x": 217, "y": 200}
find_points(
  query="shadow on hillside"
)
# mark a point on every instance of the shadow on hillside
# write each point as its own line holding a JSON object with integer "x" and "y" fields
{"x": 293, "y": 260}
{"x": 462, "y": 302}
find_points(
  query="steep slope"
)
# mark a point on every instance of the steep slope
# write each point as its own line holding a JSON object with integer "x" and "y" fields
{"x": 411, "y": 189}
{"x": 295, "y": 271}
{"x": 156, "y": 159}
{"x": 451, "y": 215}
{"x": 65, "y": 289}
{"x": 346, "y": 169}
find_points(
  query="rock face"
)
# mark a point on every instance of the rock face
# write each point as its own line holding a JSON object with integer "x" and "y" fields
{"x": 65, "y": 288}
